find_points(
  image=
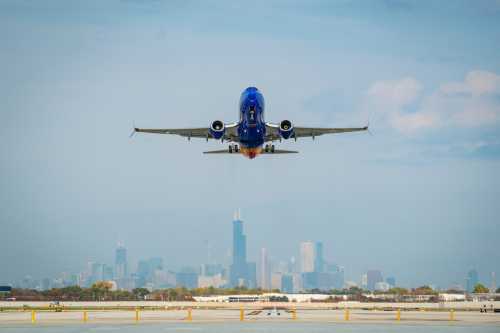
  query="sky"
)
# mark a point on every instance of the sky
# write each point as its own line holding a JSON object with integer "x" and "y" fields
{"x": 418, "y": 199}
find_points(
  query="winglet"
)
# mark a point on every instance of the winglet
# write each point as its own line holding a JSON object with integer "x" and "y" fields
{"x": 367, "y": 127}
{"x": 134, "y": 130}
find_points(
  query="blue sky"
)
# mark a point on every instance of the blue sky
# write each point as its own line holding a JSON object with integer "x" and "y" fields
{"x": 419, "y": 199}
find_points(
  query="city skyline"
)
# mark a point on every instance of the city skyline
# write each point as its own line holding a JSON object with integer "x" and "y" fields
{"x": 312, "y": 272}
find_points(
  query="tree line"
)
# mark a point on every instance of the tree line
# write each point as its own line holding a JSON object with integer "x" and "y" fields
{"x": 101, "y": 291}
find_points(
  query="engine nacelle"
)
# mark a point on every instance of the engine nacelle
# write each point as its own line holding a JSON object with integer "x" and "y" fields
{"x": 217, "y": 129}
{"x": 286, "y": 129}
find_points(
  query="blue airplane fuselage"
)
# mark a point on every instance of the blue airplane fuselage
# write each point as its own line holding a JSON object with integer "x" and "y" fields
{"x": 251, "y": 127}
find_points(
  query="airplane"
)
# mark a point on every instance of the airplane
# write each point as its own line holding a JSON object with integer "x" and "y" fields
{"x": 251, "y": 135}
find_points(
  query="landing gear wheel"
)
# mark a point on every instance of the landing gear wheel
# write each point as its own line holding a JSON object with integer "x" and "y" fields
{"x": 230, "y": 149}
{"x": 266, "y": 148}
{"x": 272, "y": 149}
{"x": 236, "y": 148}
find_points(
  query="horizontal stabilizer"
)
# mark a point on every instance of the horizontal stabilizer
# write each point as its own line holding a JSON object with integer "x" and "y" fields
{"x": 276, "y": 151}
{"x": 222, "y": 151}
{"x": 280, "y": 151}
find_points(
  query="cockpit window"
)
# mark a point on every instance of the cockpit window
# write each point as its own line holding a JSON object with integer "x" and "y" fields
{"x": 251, "y": 112}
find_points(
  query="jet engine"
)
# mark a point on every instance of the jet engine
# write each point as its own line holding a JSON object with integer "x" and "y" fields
{"x": 217, "y": 129}
{"x": 286, "y": 129}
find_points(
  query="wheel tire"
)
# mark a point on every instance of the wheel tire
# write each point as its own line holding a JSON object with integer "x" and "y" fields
{"x": 230, "y": 149}
{"x": 272, "y": 149}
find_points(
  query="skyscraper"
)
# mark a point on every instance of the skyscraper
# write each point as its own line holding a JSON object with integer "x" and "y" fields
{"x": 97, "y": 272}
{"x": 287, "y": 283}
{"x": 307, "y": 257}
{"x": 373, "y": 277}
{"x": 318, "y": 257}
{"x": 493, "y": 282}
{"x": 264, "y": 272}
{"x": 391, "y": 281}
{"x": 311, "y": 257}
{"x": 121, "y": 262}
{"x": 239, "y": 267}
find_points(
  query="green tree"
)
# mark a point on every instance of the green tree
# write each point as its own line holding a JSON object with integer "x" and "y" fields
{"x": 354, "y": 291}
{"x": 140, "y": 292}
{"x": 480, "y": 289}
{"x": 398, "y": 291}
{"x": 100, "y": 290}
{"x": 424, "y": 290}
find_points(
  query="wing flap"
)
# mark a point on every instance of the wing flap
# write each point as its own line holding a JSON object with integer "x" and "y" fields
{"x": 280, "y": 151}
{"x": 273, "y": 134}
{"x": 198, "y": 132}
{"x": 315, "y": 131}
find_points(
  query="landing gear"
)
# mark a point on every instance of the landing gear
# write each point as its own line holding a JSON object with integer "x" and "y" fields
{"x": 269, "y": 148}
{"x": 234, "y": 149}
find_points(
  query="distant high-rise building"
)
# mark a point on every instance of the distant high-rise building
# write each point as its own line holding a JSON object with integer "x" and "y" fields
{"x": 293, "y": 264}
{"x": 187, "y": 279}
{"x": 146, "y": 270}
{"x": 156, "y": 263}
{"x": 143, "y": 273}
{"x": 251, "y": 275}
{"x": 391, "y": 281}
{"x": 276, "y": 280}
{"x": 264, "y": 272}
{"x": 307, "y": 257}
{"x": 97, "y": 272}
{"x": 107, "y": 272}
{"x": 337, "y": 275}
{"x": 211, "y": 269}
{"x": 287, "y": 283}
{"x": 121, "y": 262}
{"x": 373, "y": 277}
{"x": 471, "y": 280}
{"x": 216, "y": 281}
{"x": 318, "y": 257}
{"x": 310, "y": 280}
{"x": 239, "y": 267}
{"x": 297, "y": 282}
{"x": 364, "y": 281}
{"x": 493, "y": 282}
{"x": 311, "y": 257}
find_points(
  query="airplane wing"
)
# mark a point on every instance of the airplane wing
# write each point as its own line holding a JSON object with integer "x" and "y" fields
{"x": 200, "y": 132}
{"x": 272, "y": 131}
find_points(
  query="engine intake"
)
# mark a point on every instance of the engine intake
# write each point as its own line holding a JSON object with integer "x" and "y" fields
{"x": 217, "y": 129}
{"x": 286, "y": 129}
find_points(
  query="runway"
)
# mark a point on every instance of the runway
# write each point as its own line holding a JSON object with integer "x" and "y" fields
{"x": 203, "y": 316}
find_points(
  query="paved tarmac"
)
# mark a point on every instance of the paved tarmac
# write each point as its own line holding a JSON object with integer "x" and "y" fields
{"x": 253, "y": 315}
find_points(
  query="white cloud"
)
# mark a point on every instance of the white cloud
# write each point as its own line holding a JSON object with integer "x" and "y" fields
{"x": 395, "y": 94}
{"x": 471, "y": 103}
{"x": 412, "y": 122}
{"x": 476, "y": 83}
